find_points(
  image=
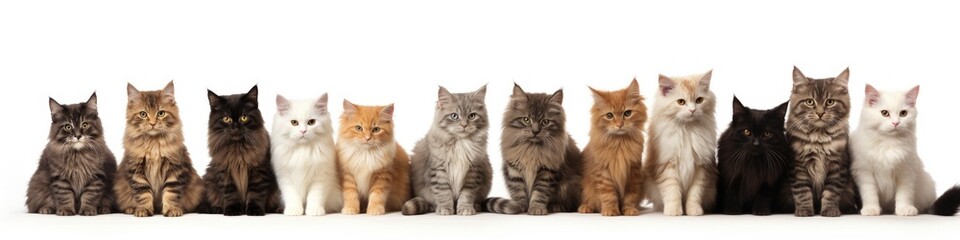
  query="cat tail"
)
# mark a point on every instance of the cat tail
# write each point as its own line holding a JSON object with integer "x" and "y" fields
{"x": 948, "y": 203}
{"x": 417, "y": 206}
{"x": 503, "y": 206}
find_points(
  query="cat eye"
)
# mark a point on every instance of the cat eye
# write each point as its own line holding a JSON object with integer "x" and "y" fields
{"x": 830, "y": 102}
{"x": 903, "y": 113}
{"x": 544, "y": 122}
{"x": 767, "y": 135}
{"x": 68, "y": 128}
{"x": 84, "y": 125}
{"x": 472, "y": 116}
{"x": 244, "y": 118}
{"x": 746, "y": 132}
{"x": 358, "y": 128}
{"x": 682, "y": 102}
{"x": 609, "y": 116}
{"x": 227, "y": 119}
{"x": 162, "y": 114}
{"x": 376, "y": 129}
{"x": 885, "y": 113}
{"x": 699, "y": 100}
{"x": 294, "y": 123}
{"x": 628, "y": 113}
{"x": 526, "y": 121}
{"x": 311, "y": 122}
{"x": 143, "y": 114}
{"x": 454, "y": 116}
{"x": 809, "y": 102}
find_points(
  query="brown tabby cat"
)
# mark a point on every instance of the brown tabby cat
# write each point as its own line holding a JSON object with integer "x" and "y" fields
{"x": 612, "y": 179}
{"x": 374, "y": 169}
{"x": 156, "y": 174}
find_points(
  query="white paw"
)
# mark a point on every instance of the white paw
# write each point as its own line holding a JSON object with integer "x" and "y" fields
{"x": 672, "y": 210}
{"x": 293, "y": 211}
{"x": 872, "y": 210}
{"x": 316, "y": 212}
{"x": 694, "y": 210}
{"x": 906, "y": 211}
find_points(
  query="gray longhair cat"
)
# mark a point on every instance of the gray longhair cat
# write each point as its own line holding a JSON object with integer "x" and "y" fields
{"x": 450, "y": 168}
{"x": 76, "y": 169}
{"x": 817, "y": 130}
{"x": 541, "y": 163}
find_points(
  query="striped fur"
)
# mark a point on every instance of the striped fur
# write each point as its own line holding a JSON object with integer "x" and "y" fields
{"x": 450, "y": 170}
{"x": 817, "y": 130}
{"x": 541, "y": 163}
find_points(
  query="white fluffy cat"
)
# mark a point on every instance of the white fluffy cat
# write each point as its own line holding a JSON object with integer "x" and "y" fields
{"x": 885, "y": 163}
{"x": 680, "y": 170}
{"x": 304, "y": 158}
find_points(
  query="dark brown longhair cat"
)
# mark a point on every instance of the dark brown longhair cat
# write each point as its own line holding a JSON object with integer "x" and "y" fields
{"x": 239, "y": 179}
{"x": 76, "y": 168}
{"x": 156, "y": 174}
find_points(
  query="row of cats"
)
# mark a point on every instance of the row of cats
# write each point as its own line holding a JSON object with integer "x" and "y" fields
{"x": 796, "y": 158}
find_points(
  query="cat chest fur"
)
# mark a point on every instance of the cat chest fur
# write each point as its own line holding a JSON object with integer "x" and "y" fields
{"x": 459, "y": 157}
{"x": 362, "y": 162}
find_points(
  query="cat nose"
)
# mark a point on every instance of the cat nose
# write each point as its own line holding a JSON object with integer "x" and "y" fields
{"x": 756, "y": 142}
{"x": 693, "y": 110}
{"x": 620, "y": 124}
{"x": 896, "y": 124}
{"x": 303, "y": 131}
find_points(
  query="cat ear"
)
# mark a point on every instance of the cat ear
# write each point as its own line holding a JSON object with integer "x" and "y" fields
{"x": 798, "y": 77}
{"x": 633, "y": 90}
{"x": 912, "y": 96}
{"x": 132, "y": 93}
{"x": 168, "y": 93}
{"x": 843, "y": 78}
{"x": 597, "y": 95}
{"x": 871, "y": 94}
{"x": 444, "y": 98}
{"x": 557, "y": 97}
{"x": 283, "y": 105}
{"x": 253, "y": 93}
{"x": 705, "y": 79}
{"x": 213, "y": 98}
{"x": 387, "y": 112}
{"x": 55, "y": 107}
{"x": 480, "y": 94}
{"x": 738, "y": 107}
{"x": 321, "y": 104}
{"x": 348, "y": 107}
{"x": 666, "y": 85}
{"x": 781, "y": 111}
{"x": 519, "y": 97}
{"x": 92, "y": 102}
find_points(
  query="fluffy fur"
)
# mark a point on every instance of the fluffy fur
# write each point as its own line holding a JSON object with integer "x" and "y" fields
{"x": 450, "y": 168}
{"x": 374, "y": 169}
{"x": 541, "y": 163}
{"x": 304, "y": 157}
{"x": 76, "y": 168}
{"x": 755, "y": 162}
{"x": 885, "y": 163}
{"x": 817, "y": 131}
{"x": 156, "y": 174}
{"x": 239, "y": 179}
{"x": 683, "y": 143}
{"x": 612, "y": 179}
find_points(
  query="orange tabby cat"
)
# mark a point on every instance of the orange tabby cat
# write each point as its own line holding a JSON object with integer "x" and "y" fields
{"x": 612, "y": 159}
{"x": 374, "y": 169}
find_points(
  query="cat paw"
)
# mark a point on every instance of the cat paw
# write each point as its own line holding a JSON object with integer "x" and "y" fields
{"x": 350, "y": 211}
{"x": 232, "y": 210}
{"x": 872, "y": 210}
{"x": 376, "y": 210}
{"x": 467, "y": 211}
{"x": 830, "y": 212}
{"x": 254, "y": 210}
{"x": 88, "y": 211}
{"x": 586, "y": 209}
{"x": 631, "y": 212}
{"x": 46, "y": 211}
{"x": 141, "y": 212}
{"x": 694, "y": 210}
{"x": 673, "y": 211}
{"x": 173, "y": 212}
{"x": 66, "y": 212}
{"x": 293, "y": 211}
{"x": 537, "y": 211}
{"x": 803, "y": 212}
{"x": 444, "y": 211}
{"x": 906, "y": 211}
{"x": 105, "y": 210}
{"x": 316, "y": 211}
{"x": 610, "y": 212}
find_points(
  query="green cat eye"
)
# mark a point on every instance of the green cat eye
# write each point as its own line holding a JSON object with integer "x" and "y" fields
{"x": 143, "y": 114}
{"x": 681, "y": 102}
{"x": 227, "y": 119}
{"x": 885, "y": 113}
{"x": 746, "y": 132}
{"x": 526, "y": 121}
{"x": 628, "y": 113}
{"x": 903, "y": 113}
{"x": 699, "y": 100}
{"x": 294, "y": 123}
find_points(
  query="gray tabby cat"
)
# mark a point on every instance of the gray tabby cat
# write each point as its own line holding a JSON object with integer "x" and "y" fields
{"x": 541, "y": 163}
{"x": 450, "y": 167}
{"x": 817, "y": 130}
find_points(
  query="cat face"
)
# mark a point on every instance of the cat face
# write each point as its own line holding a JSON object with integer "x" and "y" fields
{"x": 234, "y": 117}
{"x": 370, "y": 126}
{"x": 820, "y": 103}
{"x": 890, "y": 111}
{"x": 756, "y": 132}
{"x": 619, "y": 112}
{"x": 461, "y": 114}
{"x": 534, "y": 118}
{"x": 75, "y": 125}
{"x": 686, "y": 98}
{"x": 302, "y": 121}
{"x": 152, "y": 113}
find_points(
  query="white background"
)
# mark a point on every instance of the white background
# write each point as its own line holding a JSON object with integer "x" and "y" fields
{"x": 400, "y": 51}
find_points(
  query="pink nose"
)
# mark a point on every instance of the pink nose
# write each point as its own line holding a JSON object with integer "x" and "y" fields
{"x": 303, "y": 131}
{"x": 693, "y": 110}
{"x": 896, "y": 124}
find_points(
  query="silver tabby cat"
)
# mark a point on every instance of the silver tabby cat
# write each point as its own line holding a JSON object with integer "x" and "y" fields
{"x": 817, "y": 130}
{"x": 541, "y": 163}
{"x": 450, "y": 168}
